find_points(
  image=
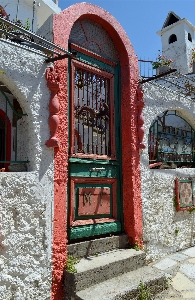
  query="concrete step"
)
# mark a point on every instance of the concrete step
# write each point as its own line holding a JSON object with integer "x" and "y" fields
{"x": 95, "y": 269}
{"x": 126, "y": 286}
{"x": 89, "y": 248}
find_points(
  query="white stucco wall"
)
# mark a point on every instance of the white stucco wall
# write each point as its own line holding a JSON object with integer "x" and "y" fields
{"x": 160, "y": 219}
{"x": 26, "y": 197}
{"x": 43, "y": 9}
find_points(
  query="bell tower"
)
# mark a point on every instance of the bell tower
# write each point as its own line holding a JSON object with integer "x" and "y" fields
{"x": 177, "y": 36}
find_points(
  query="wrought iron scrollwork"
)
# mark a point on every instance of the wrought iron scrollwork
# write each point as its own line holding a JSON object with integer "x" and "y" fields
{"x": 92, "y": 113}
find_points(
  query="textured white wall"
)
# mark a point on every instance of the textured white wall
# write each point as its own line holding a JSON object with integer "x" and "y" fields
{"x": 180, "y": 51}
{"x": 43, "y": 9}
{"x": 160, "y": 219}
{"x": 26, "y": 197}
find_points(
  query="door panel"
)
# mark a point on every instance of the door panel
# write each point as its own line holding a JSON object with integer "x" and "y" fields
{"x": 94, "y": 170}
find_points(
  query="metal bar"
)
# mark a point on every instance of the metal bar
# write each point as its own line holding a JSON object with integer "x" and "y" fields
{"x": 33, "y": 18}
{"x": 16, "y": 141}
{"x": 157, "y": 76}
{"x": 29, "y": 33}
{"x": 175, "y": 84}
{"x": 31, "y": 43}
{"x": 7, "y": 100}
{"x": 17, "y": 9}
{"x": 14, "y": 161}
{"x": 143, "y": 60}
{"x": 58, "y": 57}
{"x": 22, "y": 46}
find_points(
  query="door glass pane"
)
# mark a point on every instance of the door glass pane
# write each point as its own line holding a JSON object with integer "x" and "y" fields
{"x": 91, "y": 113}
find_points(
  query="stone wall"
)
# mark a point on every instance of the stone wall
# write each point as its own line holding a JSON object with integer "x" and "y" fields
{"x": 26, "y": 197}
{"x": 165, "y": 229}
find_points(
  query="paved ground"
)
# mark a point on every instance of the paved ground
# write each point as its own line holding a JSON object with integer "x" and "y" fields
{"x": 180, "y": 270}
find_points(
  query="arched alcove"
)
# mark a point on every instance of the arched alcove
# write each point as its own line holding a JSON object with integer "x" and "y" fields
{"x": 171, "y": 141}
{"x": 15, "y": 106}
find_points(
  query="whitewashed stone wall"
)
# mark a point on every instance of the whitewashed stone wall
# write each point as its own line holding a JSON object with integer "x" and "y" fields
{"x": 164, "y": 230}
{"x": 26, "y": 197}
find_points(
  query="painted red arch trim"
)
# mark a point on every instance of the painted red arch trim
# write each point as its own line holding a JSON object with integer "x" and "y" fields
{"x": 62, "y": 23}
{"x": 8, "y": 136}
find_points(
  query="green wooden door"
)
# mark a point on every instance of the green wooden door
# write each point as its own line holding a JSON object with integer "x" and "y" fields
{"x": 95, "y": 202}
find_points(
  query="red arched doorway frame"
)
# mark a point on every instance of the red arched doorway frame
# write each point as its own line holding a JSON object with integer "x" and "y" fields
{"x": 8, "y": 136}
{"x": 132, "y": 204}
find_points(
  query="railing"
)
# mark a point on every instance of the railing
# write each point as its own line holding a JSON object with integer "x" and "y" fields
{"x": 145, "y": 68}
{"x": 15, "y": 33}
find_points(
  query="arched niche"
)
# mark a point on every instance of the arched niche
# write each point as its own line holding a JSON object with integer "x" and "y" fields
{"x": 171, "y": 141}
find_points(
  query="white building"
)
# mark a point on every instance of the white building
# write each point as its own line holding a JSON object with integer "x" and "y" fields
{"x": 45, "y": 200}
{"x": 177, "y": 36}
{"x": 169, "y": 135}
{"x": 36, "y": 11}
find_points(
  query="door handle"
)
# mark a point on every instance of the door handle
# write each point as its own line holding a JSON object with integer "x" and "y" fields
{"x": 96, "y": 169}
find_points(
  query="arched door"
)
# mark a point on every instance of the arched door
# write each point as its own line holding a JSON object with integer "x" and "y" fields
{"x": 95, "y": 203}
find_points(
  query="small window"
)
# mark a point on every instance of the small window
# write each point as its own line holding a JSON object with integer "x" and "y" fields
{"x": 172, "y": 38}
{"x": 189, "y": 37}
{"x": 170, "y": 142}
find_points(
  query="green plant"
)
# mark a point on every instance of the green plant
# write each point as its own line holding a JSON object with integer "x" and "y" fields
{"x": 193, "y": 55}
{"x": 70, "y": 264}
{"x": 167, "y": 283}
{"x": 175, "y": 204}
{"x": 176, "y": 231}
{"x": 191, "y": 209}
{"x": 162, "y": 60}
{"x": 26, "y": 24}
{"x": 136, "y": 247}
{"x": 144, "y": 292}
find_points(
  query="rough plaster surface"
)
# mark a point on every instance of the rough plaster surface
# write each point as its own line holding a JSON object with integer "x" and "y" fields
{"x": 160, "y": 219}
{"x": 130, "y": 162}
{"x": 96, "y": 269}
{"x": 26, "y": 197}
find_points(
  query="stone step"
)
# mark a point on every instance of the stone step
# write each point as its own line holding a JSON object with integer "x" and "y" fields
{"x": 89, "y": 248}
{"x": 95, "y": 269}
{"x": 126, "y": 286}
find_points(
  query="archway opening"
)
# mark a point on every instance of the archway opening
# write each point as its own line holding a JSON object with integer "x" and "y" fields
{"x": 171, "y": 142}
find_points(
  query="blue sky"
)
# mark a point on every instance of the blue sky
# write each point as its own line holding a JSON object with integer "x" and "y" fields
{"x": 141, "y": 19}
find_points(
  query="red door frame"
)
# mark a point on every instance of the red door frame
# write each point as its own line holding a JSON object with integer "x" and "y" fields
{"x": 132, "y": 204}
{"x": 8, "y": 136}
